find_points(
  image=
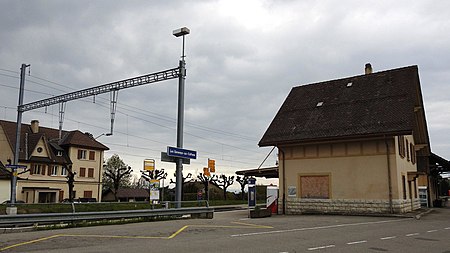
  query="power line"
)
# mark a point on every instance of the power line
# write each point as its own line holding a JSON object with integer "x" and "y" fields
{"x": 159, "y": 116}
{"x": 160, "y": 125}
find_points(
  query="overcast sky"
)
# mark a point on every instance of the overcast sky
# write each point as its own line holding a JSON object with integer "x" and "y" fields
{"x": 243, "y": 57}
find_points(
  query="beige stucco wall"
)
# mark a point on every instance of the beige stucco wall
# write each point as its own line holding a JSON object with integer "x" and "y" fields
{"x": 41, "y": 144}
{"x": 97, "y": 164}
{"x": 357, "y": 171}
{"x": 403, "y": 166}
{"x": 55, "y": 186}
{"x": 5, "y": 189}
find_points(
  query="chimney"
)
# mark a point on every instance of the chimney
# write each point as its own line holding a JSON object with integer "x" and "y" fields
{"x": 35, "y": 126}
{"x": 368, "y": 68}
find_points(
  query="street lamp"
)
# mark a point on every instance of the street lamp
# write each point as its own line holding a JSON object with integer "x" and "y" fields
{"x": 181, "y": 81}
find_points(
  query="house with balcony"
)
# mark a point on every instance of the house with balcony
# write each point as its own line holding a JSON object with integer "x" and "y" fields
{"x": 352, "y": 145}
{"x": 48, "y": 159}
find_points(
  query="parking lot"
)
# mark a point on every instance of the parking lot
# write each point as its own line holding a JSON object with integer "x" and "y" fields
{"x": 234, "y": 232}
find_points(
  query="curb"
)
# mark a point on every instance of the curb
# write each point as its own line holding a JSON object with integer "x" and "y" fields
{"x": 419, "y": 215}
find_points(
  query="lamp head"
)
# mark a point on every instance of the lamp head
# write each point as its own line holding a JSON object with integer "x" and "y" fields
{"x": 181, "y": 32}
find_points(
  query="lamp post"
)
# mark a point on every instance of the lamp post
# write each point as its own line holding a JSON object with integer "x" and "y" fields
{"x": 182, "y": 32}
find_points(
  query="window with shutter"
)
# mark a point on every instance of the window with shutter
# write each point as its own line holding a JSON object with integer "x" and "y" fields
{"x": 87, "y": 194}
{"x": 91, "y": 172}
{"x": 91, "y": 155}
{"x": 82, "y": 172}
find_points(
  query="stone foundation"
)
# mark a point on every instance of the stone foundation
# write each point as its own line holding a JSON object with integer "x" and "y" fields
{"x": 347, "y": 206}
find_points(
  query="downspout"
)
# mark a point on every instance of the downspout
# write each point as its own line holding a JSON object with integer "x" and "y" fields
{"x": 284, "y": 181}
{"x": 99, "y": 176}
{"x": 391, "y": 209}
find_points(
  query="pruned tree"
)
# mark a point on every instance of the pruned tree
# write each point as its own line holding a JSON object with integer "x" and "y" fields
{"x": 184, "y": 180}
{"x": 154, "y": 174}
{"x": 70, "y": 181}
{"x": 224, "y": 182}
{"x": 243, "y": 181}
{"x": 206, "y": 180}
{"x": 116, "y": 175}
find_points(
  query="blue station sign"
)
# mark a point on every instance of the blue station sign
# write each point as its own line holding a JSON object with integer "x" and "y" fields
{"x": 181, "y": 153}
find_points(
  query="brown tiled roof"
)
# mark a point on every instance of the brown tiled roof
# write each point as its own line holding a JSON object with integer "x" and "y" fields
{"x": 50, "y": 135}
{"x": 3, "y": 173}
{"x": 77, "y": 138}
{"x": 132, "y": 193}
{"x": 382, "y": 103}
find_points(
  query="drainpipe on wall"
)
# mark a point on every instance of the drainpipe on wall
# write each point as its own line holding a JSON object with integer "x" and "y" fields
{"x": 391, "y": 209}
{"x": 284, "y": 181}
{"x": 100, "y": 168}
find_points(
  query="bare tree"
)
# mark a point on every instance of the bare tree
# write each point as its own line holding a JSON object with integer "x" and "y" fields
{"x": 154, "y": 174}
{"x": 116, "y": 174}
{"x": 224, "y": 182}
{"x": 206, "y": 180}
{"x": 243, "y": 181}
{"x": 184, "y": 181}
{"x": 70, "y": 181}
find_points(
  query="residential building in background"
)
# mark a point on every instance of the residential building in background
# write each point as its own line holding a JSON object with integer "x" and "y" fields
{"x": 48, "y": 160}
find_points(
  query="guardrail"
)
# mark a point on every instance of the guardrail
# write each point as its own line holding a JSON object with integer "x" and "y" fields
{"x": 55, "y": 218}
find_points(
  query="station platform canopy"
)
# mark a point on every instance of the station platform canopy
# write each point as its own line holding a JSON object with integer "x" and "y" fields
{"x": 268, "y": 172}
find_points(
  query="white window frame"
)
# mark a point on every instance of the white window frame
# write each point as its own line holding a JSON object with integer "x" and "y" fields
{"x": 83, "y": 154}
{"x": 54, "y": 170}
{"x": 63, "y": 171}
{"x": 37, "y": 169}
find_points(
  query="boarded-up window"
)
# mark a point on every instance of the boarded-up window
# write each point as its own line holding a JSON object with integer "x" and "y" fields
{"x": 315, "y": 187}
{"x": 87, "y": 194}
{"x": 82, "y": 172}
{"x": 91, "y": 172}
{"x": 91, "y": 155}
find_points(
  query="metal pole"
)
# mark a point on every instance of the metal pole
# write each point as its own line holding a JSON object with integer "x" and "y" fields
{"x": 180, "y": 120}
{"x": 18, "y": 130}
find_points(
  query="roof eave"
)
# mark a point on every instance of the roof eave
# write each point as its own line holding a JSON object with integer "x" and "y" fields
{"x": 334, "y": 139}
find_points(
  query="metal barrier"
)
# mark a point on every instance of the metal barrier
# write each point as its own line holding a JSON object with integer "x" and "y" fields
{"x": 54, "y": 218}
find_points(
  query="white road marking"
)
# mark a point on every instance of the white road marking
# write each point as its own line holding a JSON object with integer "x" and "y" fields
{"x": 447, "y": 228}
{"x": 320, "y": 227}
{"x": 431, "y": 231}
{"x": 412, "y": 234}
{"x": 388, "y": 238}
{"x": 358, "y": 242}
{"x": 322, "y": 247}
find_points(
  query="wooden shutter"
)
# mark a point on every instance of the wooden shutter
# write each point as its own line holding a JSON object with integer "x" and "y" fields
{"x": 32, "y": 169}
{"x": 91, "y": 172}
{"x": 82, "y": 172}
{"x": 50, "y": 169}
{"x": 43, "y": 169}
{"x": 61, "y": 196}
{"x": 87, "y": 194}
{"x": 91, "y": 155}
{"x": 80, "y": 154}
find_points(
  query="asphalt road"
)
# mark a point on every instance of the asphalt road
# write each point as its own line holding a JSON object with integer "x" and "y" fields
{"x": 234, "y": 232}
